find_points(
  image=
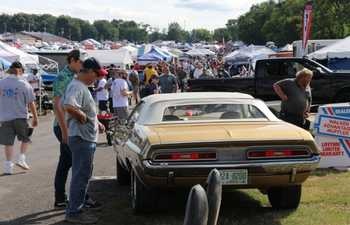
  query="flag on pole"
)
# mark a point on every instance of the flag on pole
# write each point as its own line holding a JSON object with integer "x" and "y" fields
{"x": 307, "y": 23}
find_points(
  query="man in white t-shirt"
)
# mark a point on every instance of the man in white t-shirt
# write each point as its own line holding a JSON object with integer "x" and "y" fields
{"x": 198, "y": 71}
{"x": 120, "y": 92}
{"x": 34, "y": 79}
{"x": 102, "y": 92}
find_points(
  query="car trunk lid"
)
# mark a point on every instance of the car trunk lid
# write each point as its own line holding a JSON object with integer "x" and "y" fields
{"x": 215, "y": 132}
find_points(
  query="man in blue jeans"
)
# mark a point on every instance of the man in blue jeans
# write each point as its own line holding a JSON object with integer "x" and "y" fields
{"x": 60, "y": 127}
{"x": 83, "y": 129}
{"x": 65, "y": 76}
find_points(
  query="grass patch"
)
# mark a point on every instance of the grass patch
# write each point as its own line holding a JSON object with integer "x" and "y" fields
{"x": 325, "y": 201}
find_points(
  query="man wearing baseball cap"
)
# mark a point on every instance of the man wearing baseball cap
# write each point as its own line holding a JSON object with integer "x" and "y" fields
{"x": 16, "y": 95}
{"x": 83, "y": 128}
{"x": 66, "y": 75}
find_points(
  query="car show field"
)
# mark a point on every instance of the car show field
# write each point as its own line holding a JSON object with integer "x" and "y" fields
{"x": 324, "y": 200}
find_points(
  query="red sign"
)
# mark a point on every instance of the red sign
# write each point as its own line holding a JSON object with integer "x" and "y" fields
{"x": 331, "y": 149}
{"x": 307, "y": 23}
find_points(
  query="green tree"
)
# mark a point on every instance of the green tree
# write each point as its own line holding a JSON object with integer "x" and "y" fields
{"x": 284, "y": 24}
{"x": 201, "y": 35}
{"x": 18, "y": 22}
{"x": 46, "y": 23}
{"x": 87, "y": 30}
{"x": 106, "y": 31}
{"x": 232, "y": 28}
{"x": 221, "y": 34}
{"x": 175, "y": 32}
{"x": 5, "y": 22}
{"x": 250, "y": 25}
{"x": 62, "y": 26}
{"x": 131, "y": 31}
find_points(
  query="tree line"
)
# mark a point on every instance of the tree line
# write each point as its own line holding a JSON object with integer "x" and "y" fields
{"x": 279, "y": 21}
{"x": 73, "y": 28}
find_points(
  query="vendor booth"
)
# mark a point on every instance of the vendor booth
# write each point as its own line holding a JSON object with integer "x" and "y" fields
{"x": 12, "y": 54}
{"x": 155, "y": 55}
{"x": 120, "y": 58}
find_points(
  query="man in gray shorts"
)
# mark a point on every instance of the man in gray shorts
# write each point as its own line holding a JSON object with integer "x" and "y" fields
{"x": 120, "y": 93}
{"x": 16, "y": 95}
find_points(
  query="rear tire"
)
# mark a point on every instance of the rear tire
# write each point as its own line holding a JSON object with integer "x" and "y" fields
{"x": 142, "y": 199}
{"x": 123, "y": 176}
{"x": 285, "y": 197}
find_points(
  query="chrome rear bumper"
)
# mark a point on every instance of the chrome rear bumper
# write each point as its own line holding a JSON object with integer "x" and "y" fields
{"x": 262, "y": 167}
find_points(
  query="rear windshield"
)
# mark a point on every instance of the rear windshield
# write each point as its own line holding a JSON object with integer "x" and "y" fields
{"x": 212, "y": 112}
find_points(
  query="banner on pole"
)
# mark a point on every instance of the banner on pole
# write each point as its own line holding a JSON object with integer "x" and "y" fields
{"x": 307, "y": 24}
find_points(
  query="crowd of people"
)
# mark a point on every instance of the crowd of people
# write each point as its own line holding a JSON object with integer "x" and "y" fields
{"x": 118, "y": 88}
{"x": 82, "y": 90}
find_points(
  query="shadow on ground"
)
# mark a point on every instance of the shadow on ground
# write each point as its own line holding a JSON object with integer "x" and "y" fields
{"x": 238, "y": 208}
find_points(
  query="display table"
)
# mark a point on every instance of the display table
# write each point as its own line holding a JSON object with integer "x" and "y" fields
{"x": 332, "y": 135}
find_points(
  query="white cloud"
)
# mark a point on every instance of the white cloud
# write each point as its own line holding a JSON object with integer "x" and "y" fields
{"x": 208, "y": 14}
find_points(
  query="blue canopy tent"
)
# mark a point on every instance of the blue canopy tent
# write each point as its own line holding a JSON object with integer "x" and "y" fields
{"x": 153, "y": 56}
{"x": 339, "y": 64}
{"x": 160, "y": 52}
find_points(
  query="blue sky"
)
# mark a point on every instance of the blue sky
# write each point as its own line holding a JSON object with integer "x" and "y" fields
{"x": 190, "y": 14}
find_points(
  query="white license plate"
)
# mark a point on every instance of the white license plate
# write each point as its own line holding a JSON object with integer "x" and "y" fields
{"x": 234, "y": 177}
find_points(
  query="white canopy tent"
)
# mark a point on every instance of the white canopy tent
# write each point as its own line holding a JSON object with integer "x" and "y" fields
{"x": 200, "y": 52}
{"x": 118, "y": 57}
{"x": 12, "y": 54}
{"x": 132, "y": 50}
{"x": 340, "y": 49}
{"x": 167, "y": 51}
{"x": 251, "y": 53}
{"x": 287, "y": 48}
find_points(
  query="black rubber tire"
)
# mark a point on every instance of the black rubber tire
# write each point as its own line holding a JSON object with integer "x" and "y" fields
{"x": 285, "y": 197}
{"x": 123, "y": 176}
{"x": 142, "y": 199}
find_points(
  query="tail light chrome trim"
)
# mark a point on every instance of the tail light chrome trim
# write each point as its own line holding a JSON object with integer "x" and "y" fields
{"x": 277, "y": 153}
{"x": 184, "y": 156}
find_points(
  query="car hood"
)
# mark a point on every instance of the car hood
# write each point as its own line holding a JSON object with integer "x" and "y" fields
{"x": 246, "y": 131}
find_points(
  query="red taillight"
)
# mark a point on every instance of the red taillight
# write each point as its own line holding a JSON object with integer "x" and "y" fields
{"x": 268, "y": 154}
{"x": 187, "y": 156}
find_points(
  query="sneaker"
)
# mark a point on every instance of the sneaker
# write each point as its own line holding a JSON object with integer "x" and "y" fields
{"x": 22, "y": 163}
{"x": 92, "y": 205}
{"x": 82, "y": 218}
{"x": 61, "y": 205}
{"x": 8, "y": 168}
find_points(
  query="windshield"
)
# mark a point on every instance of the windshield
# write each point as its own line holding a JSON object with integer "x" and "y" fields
{"x": 212, "y": 112}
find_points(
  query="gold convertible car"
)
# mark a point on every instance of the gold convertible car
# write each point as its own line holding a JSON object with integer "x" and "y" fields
{"x": 175, "y": 140}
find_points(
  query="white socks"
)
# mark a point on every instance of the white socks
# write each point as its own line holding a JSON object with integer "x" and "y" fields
{"x": 8, "y": 163}
{"x": 22, "y": 157}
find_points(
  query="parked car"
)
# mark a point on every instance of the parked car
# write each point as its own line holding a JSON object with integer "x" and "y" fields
{"x": 175, "y": 140}
{"x": 269, "y": 71}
